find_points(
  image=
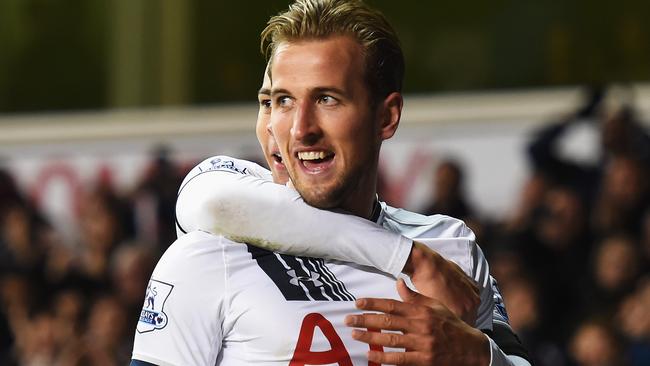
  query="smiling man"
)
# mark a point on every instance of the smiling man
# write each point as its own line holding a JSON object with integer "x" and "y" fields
{"x": 336, "y": 72}
{"x": 325, "y": 123}
{"x": 222, "y": 302}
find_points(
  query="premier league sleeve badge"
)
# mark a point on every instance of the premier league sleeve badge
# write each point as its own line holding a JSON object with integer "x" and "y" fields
{"x": 152, "y": 316}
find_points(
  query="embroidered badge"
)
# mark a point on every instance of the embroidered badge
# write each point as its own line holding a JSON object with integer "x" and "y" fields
{"x": 219, "y": 163}
{"x": 152, "y": 316}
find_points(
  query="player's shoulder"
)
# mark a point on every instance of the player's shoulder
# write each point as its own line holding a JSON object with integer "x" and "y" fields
{"x": 415, "y": 225}
{"x": 196, "y": 249}
{"x": 224, "y": 163}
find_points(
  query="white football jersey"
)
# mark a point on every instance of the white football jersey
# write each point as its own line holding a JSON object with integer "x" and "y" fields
{"x": 213, "y": 301}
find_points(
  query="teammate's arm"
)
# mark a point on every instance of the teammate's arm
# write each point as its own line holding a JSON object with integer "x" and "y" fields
{"x": 237, "y": 199}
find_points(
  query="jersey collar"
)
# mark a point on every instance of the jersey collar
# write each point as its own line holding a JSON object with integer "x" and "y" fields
{"x": 376, "y": 211}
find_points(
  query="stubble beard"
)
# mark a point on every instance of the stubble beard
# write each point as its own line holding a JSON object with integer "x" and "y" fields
{"x": 332, "y": 195}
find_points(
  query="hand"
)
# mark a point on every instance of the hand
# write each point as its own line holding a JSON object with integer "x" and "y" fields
{"x": 430, "y": 333}
{"x": 444, "y": 281}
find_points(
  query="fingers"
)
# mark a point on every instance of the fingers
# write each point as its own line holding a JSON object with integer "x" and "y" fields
{"x": 392, "y": 340}
{"x": 390, "y": 306}
{"x": 381, "y": 321}
{"x": 399, "y": 358}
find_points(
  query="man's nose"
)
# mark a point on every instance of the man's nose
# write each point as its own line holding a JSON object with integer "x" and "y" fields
{"x": 305, "y": 127}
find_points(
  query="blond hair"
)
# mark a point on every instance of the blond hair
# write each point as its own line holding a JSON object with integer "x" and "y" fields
{"x": 321, "y": 19}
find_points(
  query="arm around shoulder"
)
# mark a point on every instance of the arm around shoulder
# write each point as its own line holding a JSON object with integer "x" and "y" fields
{"x": 246, "y": 208}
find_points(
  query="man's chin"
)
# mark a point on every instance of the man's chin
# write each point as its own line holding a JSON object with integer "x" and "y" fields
{"x": 319, "y": 197}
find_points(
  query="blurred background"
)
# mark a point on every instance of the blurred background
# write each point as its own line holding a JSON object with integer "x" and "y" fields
{"x": 529, "y": 120}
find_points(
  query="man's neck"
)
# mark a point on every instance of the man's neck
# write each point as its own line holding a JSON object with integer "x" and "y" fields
{"x": 361, "y": 203}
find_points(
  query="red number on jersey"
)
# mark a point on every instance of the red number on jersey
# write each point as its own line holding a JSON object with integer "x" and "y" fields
{"x": 303, "y": 355}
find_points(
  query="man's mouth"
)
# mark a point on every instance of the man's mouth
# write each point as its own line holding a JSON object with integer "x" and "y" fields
{"x": 277, "y": 157}
{"x": 315, "y": 161}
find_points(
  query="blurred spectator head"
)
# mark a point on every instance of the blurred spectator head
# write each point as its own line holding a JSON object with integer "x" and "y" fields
{"x": 623, "y": 196}
{"x": 69, "y": 306}
{"x": 162, "y": 175}
{"x": 448, "y": 181}
{"x": 531, "y": 199}
{"x": 562, "y": 218}
{"x": 617, "y": 130}
{"x": 100, "y": 220}
{"x": 17, "y": 230}
{"x": 106, "y": 328}
{"x": 448, "y": 197}
{"x": 625, "y": 181}
{"x": 594, "y": 344}
{"x": 37, "y": 342}
{"x": 16, "y": 294}
{"x": 22, "y": 232}
{"x": 507, "y": 266}
{"x": 131, "y": 268}
{"x": 634, "y": 315}
{"x": 616, "y": 264}
{"x": 522, "y": 302}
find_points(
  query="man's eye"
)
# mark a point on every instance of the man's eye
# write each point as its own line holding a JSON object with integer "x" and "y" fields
{"x": 284, "y": 101}
{"x": 327, "y": 100}
{"x": 265, "y": 103}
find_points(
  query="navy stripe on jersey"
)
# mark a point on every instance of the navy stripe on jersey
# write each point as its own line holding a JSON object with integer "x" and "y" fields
{"x": 327, "y": 287}
{"x": 300, "y": 278}
{"x": 305, "y": 279}
{"x": 338, "y": 283}
{"x": 276, "y": 271}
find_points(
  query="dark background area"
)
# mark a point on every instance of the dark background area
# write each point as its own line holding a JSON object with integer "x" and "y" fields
{"x": 95, "y": 54}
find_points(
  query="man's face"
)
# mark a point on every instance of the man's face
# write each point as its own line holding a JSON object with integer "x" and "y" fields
{"x": 266, "y": 140}
{"x": 322, "y": 120}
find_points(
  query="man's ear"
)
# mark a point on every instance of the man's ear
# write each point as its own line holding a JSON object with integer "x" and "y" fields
{"x": 391, "y": 112}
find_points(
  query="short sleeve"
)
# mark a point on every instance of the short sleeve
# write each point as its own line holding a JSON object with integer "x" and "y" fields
{"x": 181, "y": 318}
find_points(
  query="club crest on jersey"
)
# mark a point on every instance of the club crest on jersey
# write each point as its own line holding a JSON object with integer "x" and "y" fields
{"x": 152, "y": 316}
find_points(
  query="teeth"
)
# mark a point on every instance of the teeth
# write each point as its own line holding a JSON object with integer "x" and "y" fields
{"x": 311, "y": 155}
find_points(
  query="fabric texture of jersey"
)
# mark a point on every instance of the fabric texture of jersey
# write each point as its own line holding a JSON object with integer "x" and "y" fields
{"x": 237, "y": 199}
{"x": 212, "y": 300}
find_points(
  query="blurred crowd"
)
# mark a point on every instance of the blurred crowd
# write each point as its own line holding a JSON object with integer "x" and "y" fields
{"x": 64, "y": 303}
{"x": 572, "y": 258}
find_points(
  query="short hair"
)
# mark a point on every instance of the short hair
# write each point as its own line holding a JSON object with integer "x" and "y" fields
{"x": 321, "y": 19}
